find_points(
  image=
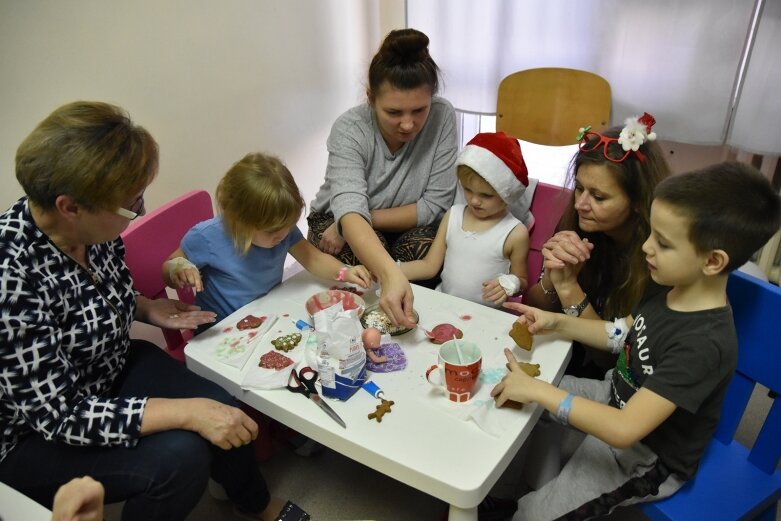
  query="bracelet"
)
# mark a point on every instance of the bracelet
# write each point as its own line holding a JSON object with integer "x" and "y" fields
{"x": 562, "y": 413}
{"x": 342, "y": 273}
{"x": 549, "y": 292}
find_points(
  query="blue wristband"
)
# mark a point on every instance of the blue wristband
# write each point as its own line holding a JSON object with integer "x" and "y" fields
{"x": 564, "y": 408}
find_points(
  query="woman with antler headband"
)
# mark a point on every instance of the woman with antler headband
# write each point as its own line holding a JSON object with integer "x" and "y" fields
{"x": 594, "y": 266}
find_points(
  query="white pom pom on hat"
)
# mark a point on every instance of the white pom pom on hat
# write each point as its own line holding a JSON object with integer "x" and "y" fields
{"x": 497, "y": 158}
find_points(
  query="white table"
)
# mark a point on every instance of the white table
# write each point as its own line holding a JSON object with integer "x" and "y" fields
{"x": 417, "y": 443}
{"x": 15, "y": 506}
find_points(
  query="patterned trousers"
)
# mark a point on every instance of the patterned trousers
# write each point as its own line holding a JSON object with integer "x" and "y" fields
{"x": 406, "y": 246}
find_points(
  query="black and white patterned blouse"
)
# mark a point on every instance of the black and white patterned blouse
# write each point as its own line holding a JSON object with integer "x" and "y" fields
{"x": 64, "y": 336}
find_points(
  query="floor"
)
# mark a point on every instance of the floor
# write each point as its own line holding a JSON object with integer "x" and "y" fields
{"x": 333, "y": 488}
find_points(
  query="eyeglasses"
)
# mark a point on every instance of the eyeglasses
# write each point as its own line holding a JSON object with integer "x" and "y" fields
{"x": 593, "y": 140}
{"x": 136, "y": 209}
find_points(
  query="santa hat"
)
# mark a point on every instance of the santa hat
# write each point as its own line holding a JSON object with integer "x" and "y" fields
{"x": 497, "y": 158}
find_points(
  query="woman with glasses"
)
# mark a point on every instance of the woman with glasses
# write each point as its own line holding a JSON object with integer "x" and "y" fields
{"x": 594, "y": 265}
{"x": 74, "y": 388}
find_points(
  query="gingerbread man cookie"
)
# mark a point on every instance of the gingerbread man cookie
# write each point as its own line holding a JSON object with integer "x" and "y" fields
{"x": 384, "y": 407}
{"x": 287, "y": 342}
{"x": 530, "y": 369}
{"x": 521, "y": 336}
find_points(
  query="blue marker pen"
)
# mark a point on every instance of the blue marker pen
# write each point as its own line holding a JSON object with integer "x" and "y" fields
{"x": 373, "y": 389}
{"x": 302, "y": 326}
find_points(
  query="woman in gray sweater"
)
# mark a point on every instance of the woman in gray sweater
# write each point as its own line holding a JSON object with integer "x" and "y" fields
{"x": 391, "y": 170}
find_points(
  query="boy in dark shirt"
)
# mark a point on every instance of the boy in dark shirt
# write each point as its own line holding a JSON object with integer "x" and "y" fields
{"x": 649, "y": 421}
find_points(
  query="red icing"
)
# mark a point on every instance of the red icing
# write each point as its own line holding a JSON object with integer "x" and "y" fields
{"x": 285, "y": 315}
{"x": 465, "y": 317}
{"x": 250, "y": 322}
{"x": 228, "y": 329}
{"x": 444, "y": 332}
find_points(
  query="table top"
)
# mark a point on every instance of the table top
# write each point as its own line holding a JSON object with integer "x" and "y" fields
{"x": 15, "y": 506}
{"x": 420, "y": 443}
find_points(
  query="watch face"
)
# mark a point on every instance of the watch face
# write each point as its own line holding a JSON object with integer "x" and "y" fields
{"x": 572, "y": 311}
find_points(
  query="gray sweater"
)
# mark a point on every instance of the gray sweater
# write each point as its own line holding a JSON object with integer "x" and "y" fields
{"x": 363, "y": 175}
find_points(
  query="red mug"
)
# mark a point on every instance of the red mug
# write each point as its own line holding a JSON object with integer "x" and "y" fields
{"x": 458, "y": 370}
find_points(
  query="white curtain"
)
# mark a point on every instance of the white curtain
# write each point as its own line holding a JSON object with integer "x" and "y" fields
{"x": 676, "y": 59}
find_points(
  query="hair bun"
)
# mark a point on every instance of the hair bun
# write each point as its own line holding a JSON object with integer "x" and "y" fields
{"x": 405, "y": 46}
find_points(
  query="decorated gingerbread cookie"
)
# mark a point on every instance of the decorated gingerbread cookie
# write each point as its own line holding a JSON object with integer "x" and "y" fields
{"x": 250, "y": 322}
{"x": 274, "y": 360}
{"x": 287, "y": 342}
{"x": 444, "y": 332}
{"x": 520, "y": 334}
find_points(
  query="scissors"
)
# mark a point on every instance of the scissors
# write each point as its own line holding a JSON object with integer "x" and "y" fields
{"x": 303, "y": 382}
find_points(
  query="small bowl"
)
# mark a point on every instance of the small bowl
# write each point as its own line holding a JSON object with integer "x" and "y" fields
{"x": 375, "y": 317}
{"x": 326, "y": 299}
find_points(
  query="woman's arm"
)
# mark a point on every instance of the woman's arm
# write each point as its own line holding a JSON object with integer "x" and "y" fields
{"x": 441, "y": 184}
{"x": 398, "y": 219}
{"x": 220, "y": 424}
{"x": 397, "y": 297}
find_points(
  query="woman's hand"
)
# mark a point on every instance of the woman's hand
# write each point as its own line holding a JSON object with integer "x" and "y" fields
{"x": 172, "y": 314}
{"x": 494, "y": 292}
{"x": 396, "y": 298}
{"x": 564, "y": 256}
{"x": 331, "y": 242}
{"x": 223, "y": 425}
{"x": 80, "y": 499}
{"x": 358, "y": 275}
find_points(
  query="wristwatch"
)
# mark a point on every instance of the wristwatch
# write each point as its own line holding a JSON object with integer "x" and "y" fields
{"x": 577, "y": 309}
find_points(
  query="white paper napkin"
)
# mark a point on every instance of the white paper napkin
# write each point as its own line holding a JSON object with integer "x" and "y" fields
{"x": 230, "y": 345}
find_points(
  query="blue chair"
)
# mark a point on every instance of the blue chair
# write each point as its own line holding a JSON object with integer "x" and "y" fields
{"x": 734, "y": 482}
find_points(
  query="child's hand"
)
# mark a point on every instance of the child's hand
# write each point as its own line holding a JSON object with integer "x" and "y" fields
{"x": 358, "y": 275}
{"x": 494, "y": 292}
{"x": 537, "y": 320}
{"x": 182, "y": 274}
{"x": 516, "y": 384}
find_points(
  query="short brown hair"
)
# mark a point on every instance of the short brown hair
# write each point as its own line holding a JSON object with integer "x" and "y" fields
{"x": 90, "y": 151}
{"x": 258, "y": 193}
{"x": 730, "y": 206}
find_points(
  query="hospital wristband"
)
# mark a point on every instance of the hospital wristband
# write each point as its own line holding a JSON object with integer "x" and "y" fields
{"x": 562, "y": 413}
{"x": 342, "y": 273}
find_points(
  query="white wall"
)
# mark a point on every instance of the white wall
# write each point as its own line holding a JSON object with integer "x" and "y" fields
{"x": 210, "y": 80}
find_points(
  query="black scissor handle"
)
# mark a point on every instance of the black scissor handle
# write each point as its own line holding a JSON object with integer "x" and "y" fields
{"x": 304, "y": 381}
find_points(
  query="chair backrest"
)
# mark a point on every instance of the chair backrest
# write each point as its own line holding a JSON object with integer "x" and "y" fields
{"x": 149, "y": 242}
{"x": 548, "y": 105}
{"x": 547, "y": 207}
{"x": 756, "y": 307}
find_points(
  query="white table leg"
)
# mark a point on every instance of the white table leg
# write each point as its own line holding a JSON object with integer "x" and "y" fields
{"x": 462, "y": 514}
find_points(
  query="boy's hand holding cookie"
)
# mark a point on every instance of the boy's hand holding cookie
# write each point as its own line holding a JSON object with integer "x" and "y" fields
{"x": 517, "y": 385}
{"x": 537, "y": 320}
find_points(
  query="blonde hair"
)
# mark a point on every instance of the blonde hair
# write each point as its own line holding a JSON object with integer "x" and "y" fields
{"x": 467, "y": 175}
{"x": 257, "y": 193}
{"x": 90, "y": 151}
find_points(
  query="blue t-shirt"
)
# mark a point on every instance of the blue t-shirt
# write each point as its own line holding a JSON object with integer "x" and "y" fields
{"x": 231, "y": 280}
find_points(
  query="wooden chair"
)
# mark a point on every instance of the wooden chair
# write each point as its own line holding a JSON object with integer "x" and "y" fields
{"x": 734, "y": 482}
{"x": 548, "y": 105}
{"x": 152, "y": 239}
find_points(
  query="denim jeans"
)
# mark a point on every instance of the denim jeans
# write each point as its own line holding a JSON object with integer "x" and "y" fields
{"x": 165, "y": 474}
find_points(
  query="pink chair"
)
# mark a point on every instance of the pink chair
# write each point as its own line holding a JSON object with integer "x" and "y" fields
{"x": 547, "y": 206}
{"x": 149, "y": 242}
